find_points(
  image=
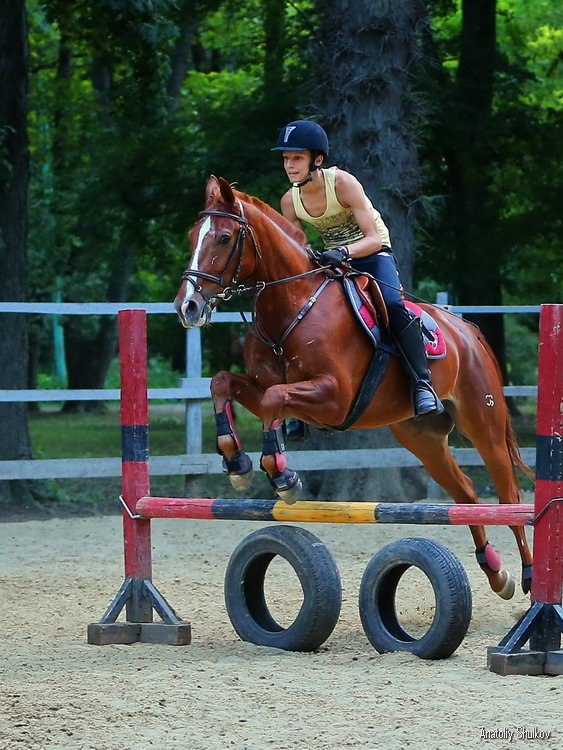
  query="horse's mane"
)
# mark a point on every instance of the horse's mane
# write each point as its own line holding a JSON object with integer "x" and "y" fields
{"x": 297, "y": 235}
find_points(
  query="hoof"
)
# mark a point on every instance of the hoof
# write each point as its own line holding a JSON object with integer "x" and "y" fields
{"x": 241, "y": 482}
{"x": 507, "y": 591}
{"x": 526, "y": 578}
{"x": 292, "y": 495}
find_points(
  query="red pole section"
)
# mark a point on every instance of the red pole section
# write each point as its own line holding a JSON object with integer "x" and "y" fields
{"x": 548, "y": 532}
{"x": 134, "y": 440}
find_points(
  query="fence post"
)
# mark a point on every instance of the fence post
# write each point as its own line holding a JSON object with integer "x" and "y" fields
{"x": 194, "y": 420}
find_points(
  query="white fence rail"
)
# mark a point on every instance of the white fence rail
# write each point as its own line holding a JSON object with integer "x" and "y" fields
{"x": 193, "y": 389}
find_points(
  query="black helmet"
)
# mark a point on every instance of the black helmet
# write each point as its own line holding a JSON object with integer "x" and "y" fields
{"x": 302, "y": 135}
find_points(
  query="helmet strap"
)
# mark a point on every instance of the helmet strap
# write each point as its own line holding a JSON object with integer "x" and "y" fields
{"x": 304, "y": 182}
{"x": 312, "y": 168}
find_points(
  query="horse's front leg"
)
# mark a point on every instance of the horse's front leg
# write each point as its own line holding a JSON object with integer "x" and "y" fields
{"x": 224, "y": 387}
{"x": 312, "y": 399}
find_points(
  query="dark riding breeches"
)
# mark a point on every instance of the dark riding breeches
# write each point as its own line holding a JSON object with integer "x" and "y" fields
{"x": 383, "y": 267}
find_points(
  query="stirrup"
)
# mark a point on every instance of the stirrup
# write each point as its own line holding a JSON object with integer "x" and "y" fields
{"x": 431, "y": 404}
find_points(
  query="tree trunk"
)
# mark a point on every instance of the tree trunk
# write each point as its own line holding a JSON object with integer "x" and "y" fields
{"x": 370, "y": 115}
{"x": 469, "y": 151}
{"x": 369, "y": 108}
{"x": 14, "y": 174}
{"x": 89, "y": 357}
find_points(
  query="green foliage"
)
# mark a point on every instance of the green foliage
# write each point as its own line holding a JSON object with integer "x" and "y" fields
{"x": 121, "y": 149}
{"x": 522, "y": 223}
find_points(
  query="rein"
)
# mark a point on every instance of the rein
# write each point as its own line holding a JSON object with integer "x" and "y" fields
{"x": 236, "y": 289}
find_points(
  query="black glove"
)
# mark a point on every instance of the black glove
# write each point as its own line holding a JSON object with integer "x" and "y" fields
{"x": 334, "y": 257}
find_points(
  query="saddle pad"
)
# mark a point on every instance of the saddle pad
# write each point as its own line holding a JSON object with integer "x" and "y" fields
{"x": 434, "y": 342}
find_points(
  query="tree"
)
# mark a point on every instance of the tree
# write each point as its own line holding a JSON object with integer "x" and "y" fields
{"x": 366, "y": 100}
{"x": 490, "y": 149}
{"x": 468, "y": 151}
{"x": 14, "y": 174}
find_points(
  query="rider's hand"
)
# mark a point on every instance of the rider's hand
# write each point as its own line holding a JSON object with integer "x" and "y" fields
{"x": 334, "y": 257}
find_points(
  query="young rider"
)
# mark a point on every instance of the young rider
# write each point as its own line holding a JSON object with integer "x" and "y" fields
{"x": 352, "y": 230}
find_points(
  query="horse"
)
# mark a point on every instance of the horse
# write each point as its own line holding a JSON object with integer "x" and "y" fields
{"x": 306, "y": 355}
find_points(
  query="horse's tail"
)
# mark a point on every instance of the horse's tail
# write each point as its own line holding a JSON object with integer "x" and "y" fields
{"x": 509, "y": 434}
{"x": 514, "y": 450}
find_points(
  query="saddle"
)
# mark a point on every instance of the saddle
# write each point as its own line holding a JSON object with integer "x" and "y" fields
{"x": 367, "y": 302}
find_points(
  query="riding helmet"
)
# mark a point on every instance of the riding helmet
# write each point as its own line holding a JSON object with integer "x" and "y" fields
{"x": 302, "y": 135}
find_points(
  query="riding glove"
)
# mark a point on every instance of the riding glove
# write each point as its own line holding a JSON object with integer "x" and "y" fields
{"x": 334, "y": 257}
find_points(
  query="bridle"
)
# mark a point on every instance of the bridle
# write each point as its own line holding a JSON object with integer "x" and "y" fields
{"x": 236, "y": 255}
{"x": 236, "y": 288}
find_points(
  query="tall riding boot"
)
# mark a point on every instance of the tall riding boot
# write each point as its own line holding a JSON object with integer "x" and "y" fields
{"x": 424, "y": 399}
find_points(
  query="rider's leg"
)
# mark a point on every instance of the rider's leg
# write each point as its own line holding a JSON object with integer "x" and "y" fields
{"x": 410, "y": 342}
{"x": 405, "y": 330}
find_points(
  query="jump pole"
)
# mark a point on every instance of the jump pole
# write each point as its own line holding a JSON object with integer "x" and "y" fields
{"x": 541, "y": 625}
{"x": 137, "y": 595}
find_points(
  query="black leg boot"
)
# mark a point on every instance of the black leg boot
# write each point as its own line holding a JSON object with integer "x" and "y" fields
{"x": 409, "y": 340}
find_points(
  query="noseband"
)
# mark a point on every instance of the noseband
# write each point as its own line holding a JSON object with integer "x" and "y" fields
{"x": 227, "y": 291}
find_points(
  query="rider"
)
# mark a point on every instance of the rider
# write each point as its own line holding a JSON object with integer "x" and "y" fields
{"x": 353, "y": 232}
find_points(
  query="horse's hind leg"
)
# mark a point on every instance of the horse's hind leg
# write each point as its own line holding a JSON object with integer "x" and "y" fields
{"x": 429, "y": 442}
{"x": 491, "y": 434}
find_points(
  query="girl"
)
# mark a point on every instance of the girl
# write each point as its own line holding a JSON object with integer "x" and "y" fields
{"x": 352, "y": 230}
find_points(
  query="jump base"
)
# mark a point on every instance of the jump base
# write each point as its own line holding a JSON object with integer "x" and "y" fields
{"x": 139, "y": 597}
{"x": 525, "y": 662}
{"x": 106, "y": 633}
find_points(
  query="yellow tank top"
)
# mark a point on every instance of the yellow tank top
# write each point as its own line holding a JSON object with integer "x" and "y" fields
{"x": 337, "y": 225}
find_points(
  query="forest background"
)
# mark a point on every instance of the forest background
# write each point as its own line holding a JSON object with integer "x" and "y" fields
{"x": 114, "y": 112}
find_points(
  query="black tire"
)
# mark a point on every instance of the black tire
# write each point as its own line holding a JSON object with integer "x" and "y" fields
{"x": 451, "y": 591}
{"x": 320, "y": 581}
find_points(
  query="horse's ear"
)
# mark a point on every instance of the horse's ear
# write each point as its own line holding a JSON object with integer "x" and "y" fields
{"x": 226, "y": 192}
{"x": 211, "y": 189}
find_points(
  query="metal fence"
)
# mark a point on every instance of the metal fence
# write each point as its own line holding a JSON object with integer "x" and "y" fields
{"x": 193, "y": 389}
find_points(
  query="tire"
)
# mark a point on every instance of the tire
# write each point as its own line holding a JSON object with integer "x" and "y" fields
{"x": 319, "y": 578}
{"x": 451, "y": 591}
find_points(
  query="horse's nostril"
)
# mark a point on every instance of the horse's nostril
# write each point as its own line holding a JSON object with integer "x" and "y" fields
{"x": 192, "y": 308}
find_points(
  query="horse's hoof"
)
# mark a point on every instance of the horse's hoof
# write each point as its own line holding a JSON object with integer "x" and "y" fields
{"x": 526, "y": 578}
{"x": 241, "y": 482}
{"x": 507, "y": 591}
{"x": 292, "y": 495}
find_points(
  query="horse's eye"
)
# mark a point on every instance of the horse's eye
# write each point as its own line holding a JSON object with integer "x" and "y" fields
{"x": 224, "y": 239}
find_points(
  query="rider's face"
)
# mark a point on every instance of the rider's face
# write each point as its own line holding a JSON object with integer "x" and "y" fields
{"x": 296, "y": 165}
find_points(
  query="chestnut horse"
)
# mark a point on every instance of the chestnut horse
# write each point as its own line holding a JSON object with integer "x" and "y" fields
{"x": 306, "y": 355}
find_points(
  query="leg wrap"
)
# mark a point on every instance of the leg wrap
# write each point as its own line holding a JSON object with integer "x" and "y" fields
{"x": 273, "y": 441}
{"x": 273, "y": 445}
{"x": 240, "y": 463}
{"x": 488, "y": 558}
{"x": 225, "y": 425}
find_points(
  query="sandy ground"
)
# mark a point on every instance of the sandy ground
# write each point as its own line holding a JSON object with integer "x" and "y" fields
{"x": 59, "y": 693}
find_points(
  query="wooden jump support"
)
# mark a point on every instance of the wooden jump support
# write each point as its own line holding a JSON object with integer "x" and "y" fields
{"x": 541, "y": 625}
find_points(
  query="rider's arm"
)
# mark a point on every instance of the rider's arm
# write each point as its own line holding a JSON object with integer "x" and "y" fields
{"x": 288, "y": 210}
{"x": 350, "y": 194}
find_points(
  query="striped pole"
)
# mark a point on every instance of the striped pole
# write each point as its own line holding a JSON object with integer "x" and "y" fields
{"x": 137, "y": 594}
{"x": 542, "y": 624}
{"x": 334, "y": 512}
{"x": 135, "y": 453}
{"x": 547, "y": 582}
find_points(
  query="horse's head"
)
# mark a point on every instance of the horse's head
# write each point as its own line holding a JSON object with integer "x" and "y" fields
{"x": 219, "y": 259}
